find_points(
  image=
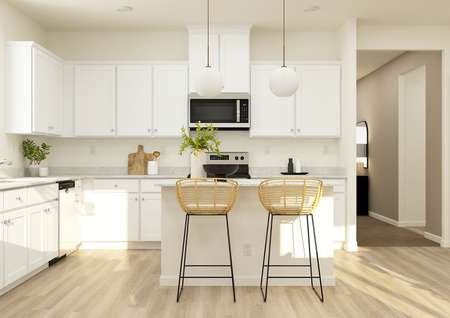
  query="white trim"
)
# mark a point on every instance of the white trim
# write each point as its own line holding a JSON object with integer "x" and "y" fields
{"x": 445, "y": 244}
{"x": 245, "y": 281}
{"x": 120, "y": 246}
{"x": 22, "y": 280}
{"x": 396, "y": 223}
{"x": 383, "y": 218}
{"x": 295, "y": 62}
{"x": 432, "y": 237}
{"x": 126, "y": 62}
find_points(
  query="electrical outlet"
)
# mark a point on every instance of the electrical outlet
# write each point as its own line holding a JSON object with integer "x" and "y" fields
{"x": 247, "y": 250}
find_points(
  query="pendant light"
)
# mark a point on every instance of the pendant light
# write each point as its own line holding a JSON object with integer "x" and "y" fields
{"x": 284, "y": 80}
{"x": 209, "y": 82}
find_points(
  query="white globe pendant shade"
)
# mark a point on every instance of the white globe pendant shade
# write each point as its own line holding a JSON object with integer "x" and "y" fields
{"x": 284, "y": 82}
{"x": 209, "y": 82}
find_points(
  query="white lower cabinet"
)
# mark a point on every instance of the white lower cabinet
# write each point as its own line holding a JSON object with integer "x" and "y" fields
{"x": 36, "y": 238}
{"x": 122, "y": 211}
{"x": 15, "y": 238}
{"x": 30, "y": 240}
{"x": 51, "y": 218}
{"x": 151, "y": 217}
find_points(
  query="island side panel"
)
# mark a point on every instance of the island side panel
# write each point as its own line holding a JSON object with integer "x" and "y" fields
{"x": 248, "y": 220}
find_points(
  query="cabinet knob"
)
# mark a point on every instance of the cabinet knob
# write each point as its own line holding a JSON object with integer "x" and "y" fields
{"x": 149, "y": 130}
{"x": 136, "y": 199}
{"x": 112, "y": 130}
{"x": 19, "y": 198}
{"x": 298, "y": 130}
{"x": 155, "y": 130}
{"x": 292, "y": 130}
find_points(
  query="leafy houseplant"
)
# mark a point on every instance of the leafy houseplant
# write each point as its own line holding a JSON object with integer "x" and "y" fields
{"x": 204, "y": 140}
{"x": 36, "y": 154}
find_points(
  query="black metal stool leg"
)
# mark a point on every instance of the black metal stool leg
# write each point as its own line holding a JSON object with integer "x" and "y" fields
{"x": 231, "y": 260}
{"x": 268, "y": 257}
{"x": 264, "y": 255}
{"x": 309, "y": 251}
{"x": 185, "y": 250}
{"x": 182, "y": 258}
{"x": 317, "y": 258}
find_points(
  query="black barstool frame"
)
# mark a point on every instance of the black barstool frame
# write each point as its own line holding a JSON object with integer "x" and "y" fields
{"x": 183, "y": 264}
{"x": 268, "y": 265}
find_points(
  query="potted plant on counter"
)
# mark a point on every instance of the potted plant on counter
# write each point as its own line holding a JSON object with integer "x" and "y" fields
{"x": 36, "y": 154}
{"x": 204, "y": 140}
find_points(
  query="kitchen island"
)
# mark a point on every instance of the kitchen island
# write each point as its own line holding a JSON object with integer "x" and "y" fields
{"x": 208, "y": 240}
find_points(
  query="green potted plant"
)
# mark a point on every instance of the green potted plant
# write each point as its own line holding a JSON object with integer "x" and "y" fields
{"x": 203, "y": 140}
{"x": 36, "y": 154}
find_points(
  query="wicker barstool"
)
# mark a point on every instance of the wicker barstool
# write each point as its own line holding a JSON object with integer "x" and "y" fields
{"x": 290, "y": 197}
{"x": 205, "y": 197}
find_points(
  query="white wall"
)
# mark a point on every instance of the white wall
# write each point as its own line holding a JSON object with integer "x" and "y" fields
{"x": 421, "y": 38}
{"x": 174, "y": 46}
{"x": 348, "y": 51}
{"x": 13, "y": 26}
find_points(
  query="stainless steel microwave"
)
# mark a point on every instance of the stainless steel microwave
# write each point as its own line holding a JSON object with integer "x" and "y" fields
{"x": 225, "y": 111}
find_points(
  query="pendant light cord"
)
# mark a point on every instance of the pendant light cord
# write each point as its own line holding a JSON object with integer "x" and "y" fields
{"x": 207, "y": 35}
{"x": 284, "y": 33}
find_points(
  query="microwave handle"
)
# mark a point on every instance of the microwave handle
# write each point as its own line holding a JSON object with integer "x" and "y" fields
{"x": 238, "y": 110}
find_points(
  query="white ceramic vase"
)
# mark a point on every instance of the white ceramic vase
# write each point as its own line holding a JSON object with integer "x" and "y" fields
{"x": 197, "y": 162}
{"x": 34, "y": 171}
{"x": 43, "y": 171}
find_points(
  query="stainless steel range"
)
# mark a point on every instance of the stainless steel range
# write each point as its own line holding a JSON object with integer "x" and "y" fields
{"x": 227, "y": 165}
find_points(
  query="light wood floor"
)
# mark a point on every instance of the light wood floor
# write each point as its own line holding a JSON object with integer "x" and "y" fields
{"x": 375, "y": 282}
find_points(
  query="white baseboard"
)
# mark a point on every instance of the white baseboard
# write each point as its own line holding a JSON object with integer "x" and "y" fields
{"x": 432, "y": 237}
{"x": 350, "y": 246}
{"x": 383, "y": 218}
{"x": 120, "y": 246}
{"x": 245, "y": 281}
{"x": 22, "y": 280}
{"x": 445, "y": 244}
{"x": 393, "y": 222}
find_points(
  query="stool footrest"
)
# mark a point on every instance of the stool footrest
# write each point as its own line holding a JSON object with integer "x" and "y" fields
{"x": 205, "y": 265}
{"x": 206, "y": 276}
{"x": 280, "y": 265}
{"x": 294, "y": 277}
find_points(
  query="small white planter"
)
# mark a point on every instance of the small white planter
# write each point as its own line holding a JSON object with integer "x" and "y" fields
{"x": 34, "y": 171}
{"x": 197, "y": 163}
{"x": 43, "y": 171}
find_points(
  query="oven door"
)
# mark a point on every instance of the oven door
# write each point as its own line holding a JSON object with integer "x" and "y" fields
{"x": 222, "y": 113}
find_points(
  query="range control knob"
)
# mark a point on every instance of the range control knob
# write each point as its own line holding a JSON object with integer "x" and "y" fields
{"x": 236, "y": 158}
{"x": 242, "y": 158}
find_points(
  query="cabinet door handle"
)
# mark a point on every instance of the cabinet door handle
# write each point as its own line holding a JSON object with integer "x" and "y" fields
{"x": 149, "y": 130}
{"x": 155, "y": 130}
{"x": 136, "y": 199}
{"x": 19, "y": 198}
{"x": 112, "y": 130}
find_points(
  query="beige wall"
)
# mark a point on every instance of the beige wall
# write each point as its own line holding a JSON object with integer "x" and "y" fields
{"x": 13, "y": 26}
{"x": 378, "y": 104}
{"x": 174, "y": 45}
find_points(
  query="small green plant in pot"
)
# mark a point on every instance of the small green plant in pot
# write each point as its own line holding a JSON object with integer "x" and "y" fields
{"x": 36, "y": 154}
{"x": 203, "y": 140}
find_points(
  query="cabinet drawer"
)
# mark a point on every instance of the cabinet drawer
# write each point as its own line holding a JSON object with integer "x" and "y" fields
{"x": 15, "y": 198}
{"x": 42, "y": 194}
{"x": 150, "y": 186}
{"x": 119, "y": 185}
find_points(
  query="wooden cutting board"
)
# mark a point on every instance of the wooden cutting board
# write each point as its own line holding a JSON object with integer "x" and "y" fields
{"x": 138, "y": 161}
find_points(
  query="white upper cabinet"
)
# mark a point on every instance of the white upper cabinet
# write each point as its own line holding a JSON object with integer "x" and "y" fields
{"x": 34, "y": 90}
{"x": 134, "y": 100}
{"x": 271, "y": 116}
{"x": 170, "y": 90}
{"x": 229, "y": 54}
{"x": 198, "y": 57}
{"x": 318, "y": 101}
{"x": 314, "y": 111}
{"x": 95, "y": 100}
{"x": 235, "y": 61}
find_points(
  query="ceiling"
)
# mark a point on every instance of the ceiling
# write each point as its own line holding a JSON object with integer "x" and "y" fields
{"x": 262, "y": 14}
{"x": 370, "y": 61}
